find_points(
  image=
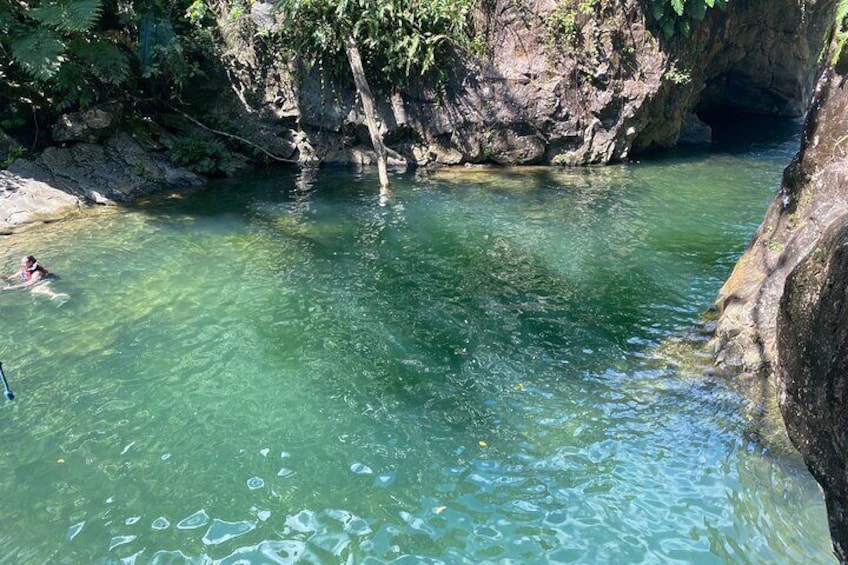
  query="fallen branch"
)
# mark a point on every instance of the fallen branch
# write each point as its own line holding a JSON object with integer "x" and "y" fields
{"x": 233, "y": 136}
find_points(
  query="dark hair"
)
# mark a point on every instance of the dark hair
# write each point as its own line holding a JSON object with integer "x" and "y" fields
{"x": 32, "y": 259}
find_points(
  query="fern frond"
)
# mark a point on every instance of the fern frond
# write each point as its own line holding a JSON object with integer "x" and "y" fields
{"x": 103, "y": 59}
{"x": 68, "y": 15}
{"x": 40, "y": 53}
{"x": 69, "y": 83}
{"x": 841, "y": 13}
{"x": 7, "y": 20}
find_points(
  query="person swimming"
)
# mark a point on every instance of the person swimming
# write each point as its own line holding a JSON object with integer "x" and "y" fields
{"x": 32, "y": 272}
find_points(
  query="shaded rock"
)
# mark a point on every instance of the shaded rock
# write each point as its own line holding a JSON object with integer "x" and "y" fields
{"x": 25, "y": 200}
{"x": 506, "y": 147}
{"x": 60, "y": 180}
{"x": 90, "y": 126}
{"x": 120, "y": 170}
{"x": 694, "y": 131}
{"x": 613, "y": 89}
{"x": 784, "y": 309}
{"x": 761, "y": 58}
{"x": 812, "y": 330}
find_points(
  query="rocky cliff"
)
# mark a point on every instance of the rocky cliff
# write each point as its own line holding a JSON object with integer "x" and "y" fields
{"x": 612, "y": 87}
{"x": 784, "y": 309}
{"x": 811, "y": 197}
{"x": 812, "y": 342}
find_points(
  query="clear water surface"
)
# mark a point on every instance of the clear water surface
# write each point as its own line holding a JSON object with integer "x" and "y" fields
{"x": 280, "y": 370}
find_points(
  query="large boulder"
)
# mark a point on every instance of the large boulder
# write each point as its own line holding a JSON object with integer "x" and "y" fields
{"x": 119, "y": 170}
{"x": 25, "y": 200}
{"x": 812, "y": 330}
{"x": 813, "y": 194}
{"x": 60, "y": 180}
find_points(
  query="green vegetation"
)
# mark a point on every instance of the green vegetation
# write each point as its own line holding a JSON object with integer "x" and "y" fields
{"x": 774, "y": 246}
{"x": 55, "y": 53}
{"x": 562, "y": 25}
{"x": 201, "y": 156}
{"x": 64, "y": 55}
{"x": 840, "y": 56}
{"x": 675, "y": 17}
{"x": 678, "y": 75}
{"x": 398, "y": 39}
{"x": 588, "y": 7}
{"x": 383, "y": 41}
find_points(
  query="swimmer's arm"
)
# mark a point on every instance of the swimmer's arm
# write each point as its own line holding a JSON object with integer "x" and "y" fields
{"x": 36, "y": 276}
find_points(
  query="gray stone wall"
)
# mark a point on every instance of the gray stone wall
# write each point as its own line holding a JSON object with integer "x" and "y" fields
{"x": 614, "y": 89}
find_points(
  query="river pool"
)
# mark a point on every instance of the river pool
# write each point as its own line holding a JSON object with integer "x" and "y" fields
{"x": 492, "y": 367}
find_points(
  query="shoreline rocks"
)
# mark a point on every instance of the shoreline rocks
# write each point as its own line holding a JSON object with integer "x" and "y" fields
{"x": 62, "y": 180}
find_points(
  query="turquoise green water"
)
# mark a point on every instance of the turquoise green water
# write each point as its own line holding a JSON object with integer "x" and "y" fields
{"x": 280, "y": 370}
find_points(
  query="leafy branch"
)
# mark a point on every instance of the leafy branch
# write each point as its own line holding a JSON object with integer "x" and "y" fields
{"x": 57, "y": 53}
{"x": 676, "y": 17}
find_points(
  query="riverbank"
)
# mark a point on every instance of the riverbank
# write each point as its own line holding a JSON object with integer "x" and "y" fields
{"x": 60, "y": 181}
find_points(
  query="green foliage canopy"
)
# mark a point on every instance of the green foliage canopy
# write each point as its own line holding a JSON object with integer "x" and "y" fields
{"x": 56, "y": 45}
{"x": 840, "y": 54}
{"x": 61, "y": 55}
{"x": 398, "y": 38}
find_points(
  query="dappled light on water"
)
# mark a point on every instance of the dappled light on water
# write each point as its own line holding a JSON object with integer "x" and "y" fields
{"x": 283, "y": 370}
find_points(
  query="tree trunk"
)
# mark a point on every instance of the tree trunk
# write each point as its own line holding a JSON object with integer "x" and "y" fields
{"x": 364, "y": 91}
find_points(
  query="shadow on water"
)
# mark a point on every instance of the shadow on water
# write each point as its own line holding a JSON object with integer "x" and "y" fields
{"x": 751, "y": 134}
{"x": 740, "y": 135}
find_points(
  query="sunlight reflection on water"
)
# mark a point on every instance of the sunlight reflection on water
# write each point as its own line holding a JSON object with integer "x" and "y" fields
{"x": 283, "y": 371}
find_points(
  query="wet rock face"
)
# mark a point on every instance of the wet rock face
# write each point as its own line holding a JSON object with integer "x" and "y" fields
{"x": 812, "y": 330}
{"x": 784, "y": 309}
